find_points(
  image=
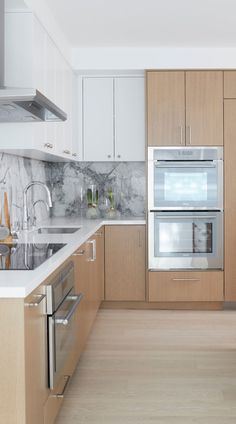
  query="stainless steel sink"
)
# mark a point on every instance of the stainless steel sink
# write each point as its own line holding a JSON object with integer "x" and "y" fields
{"x": 57, "y": 230}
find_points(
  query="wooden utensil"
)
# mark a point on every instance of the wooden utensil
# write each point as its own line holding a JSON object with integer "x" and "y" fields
{"x": 6, "y": 211}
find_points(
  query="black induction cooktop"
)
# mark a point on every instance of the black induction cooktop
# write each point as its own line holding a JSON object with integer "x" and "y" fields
{"x": 26, "y": 256}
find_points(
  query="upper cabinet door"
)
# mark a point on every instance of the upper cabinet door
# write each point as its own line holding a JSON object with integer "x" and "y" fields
{"x": 204, "y": 108}
{"x": 98, "y": 110}
{"x": 130, "y": 119}
{"x": 166, "y": 108}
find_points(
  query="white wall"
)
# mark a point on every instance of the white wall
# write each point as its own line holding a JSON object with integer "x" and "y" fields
{"x": 153, "y": 58}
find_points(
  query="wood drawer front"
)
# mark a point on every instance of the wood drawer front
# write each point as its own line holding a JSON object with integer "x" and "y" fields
{"x": 186, "y": 286}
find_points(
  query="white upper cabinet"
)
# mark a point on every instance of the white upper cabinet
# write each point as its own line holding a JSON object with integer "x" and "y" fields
{"x": 113, "y": 118}
{"x": 98, "y": 111}
{"x": 34, "y": 61}
{"x": 129, "y": 119}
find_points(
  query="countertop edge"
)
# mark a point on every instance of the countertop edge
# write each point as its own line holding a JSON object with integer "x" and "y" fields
{"x": 36, "y": 277}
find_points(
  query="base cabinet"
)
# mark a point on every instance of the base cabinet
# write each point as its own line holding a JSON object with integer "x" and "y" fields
{"x": 125, "y": 263}
{"x": 89, "y": 280}
{"x": 203, "y": 286}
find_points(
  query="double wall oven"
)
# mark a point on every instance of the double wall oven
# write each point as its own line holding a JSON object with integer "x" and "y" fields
{"x": 185, "y": 204}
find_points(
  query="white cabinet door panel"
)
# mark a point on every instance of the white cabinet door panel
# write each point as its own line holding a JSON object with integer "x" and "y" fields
{"x": 130, "y": 119}
{"x": 98, "y": 129}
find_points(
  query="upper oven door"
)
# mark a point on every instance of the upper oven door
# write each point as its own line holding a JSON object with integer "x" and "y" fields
{"x": 182, "y": 184}
{"x": 185, "y": 240}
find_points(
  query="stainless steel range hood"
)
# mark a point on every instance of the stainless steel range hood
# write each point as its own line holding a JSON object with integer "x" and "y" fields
{"x": 22, "y": 104}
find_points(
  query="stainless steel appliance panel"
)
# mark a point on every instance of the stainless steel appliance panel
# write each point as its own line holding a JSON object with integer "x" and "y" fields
{"x": 185, "y": 240}
{"x": 185, "y": 178}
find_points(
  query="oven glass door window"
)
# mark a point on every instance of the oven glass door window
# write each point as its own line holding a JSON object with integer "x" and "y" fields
{"x": 180, "y": 238}
{"x": 190, "y": 185}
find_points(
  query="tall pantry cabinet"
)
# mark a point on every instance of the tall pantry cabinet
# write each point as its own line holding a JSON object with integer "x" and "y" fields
{"x": 230, "y": 183}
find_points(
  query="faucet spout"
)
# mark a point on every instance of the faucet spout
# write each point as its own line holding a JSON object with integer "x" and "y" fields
{"x": 26, "y": 217}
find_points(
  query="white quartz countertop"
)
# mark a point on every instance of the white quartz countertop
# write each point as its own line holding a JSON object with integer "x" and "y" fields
{"x": 19, "y": 283}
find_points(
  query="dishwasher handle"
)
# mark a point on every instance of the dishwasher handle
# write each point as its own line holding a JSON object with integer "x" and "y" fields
{"x": 66, "y": 319}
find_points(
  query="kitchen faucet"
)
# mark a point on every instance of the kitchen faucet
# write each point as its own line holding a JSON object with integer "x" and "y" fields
{"x": 26, "y": 215}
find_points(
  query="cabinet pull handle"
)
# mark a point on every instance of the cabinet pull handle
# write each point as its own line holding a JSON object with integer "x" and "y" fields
{"x": 109, "y": 156}
{"x": 119, "y": 156}
{"x": 93, "y": 244}
{"x": 79, "y": 253}
{"x": 185, "y": 279}
{"x": 74, "y": 154}
{"x": 181, "y": 134}
{"x": 39, "y": 298}
{"x": 61, "y": 395}
{"x": 190, "y": 134}
{"x": 67, "y": 152}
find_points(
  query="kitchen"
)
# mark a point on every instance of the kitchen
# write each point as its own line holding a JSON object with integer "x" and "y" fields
{"x": 117, "y": 291}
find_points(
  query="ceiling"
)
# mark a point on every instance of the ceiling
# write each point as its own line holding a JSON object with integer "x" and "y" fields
{"x": 147, "y": 23}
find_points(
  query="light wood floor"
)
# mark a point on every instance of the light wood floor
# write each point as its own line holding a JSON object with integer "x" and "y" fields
{"x": 159, "y": 367}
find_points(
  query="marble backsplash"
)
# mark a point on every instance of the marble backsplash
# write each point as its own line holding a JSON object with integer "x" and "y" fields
{"x": 18, "y": 172}
{"x": 68, "y": 183}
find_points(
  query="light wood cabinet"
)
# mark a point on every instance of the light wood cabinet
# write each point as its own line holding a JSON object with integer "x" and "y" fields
{"x": 230, "y": 198}
{"x": 125, "y": 262}
{"x": 166, "y": 108}
{"x": 113, "y": 118}
{"x": 186, "y": 286}
{"x": 23, "y": 359}
{"x": 230, "y": 84}
{"x": 35, "y": 356}
{"x": 89, "y": 280}
{"x": 185, "y": 108}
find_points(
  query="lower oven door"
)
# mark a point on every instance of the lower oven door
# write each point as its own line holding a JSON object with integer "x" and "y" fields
{"x": 185, "y": 240}
{"x": 61, "y": 335}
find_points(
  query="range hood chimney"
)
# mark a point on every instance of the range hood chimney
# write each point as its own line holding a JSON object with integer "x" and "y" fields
{"x": 22, "y": 104}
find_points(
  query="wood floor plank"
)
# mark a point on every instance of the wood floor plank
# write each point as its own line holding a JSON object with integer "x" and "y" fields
{"x": 159, "y": 367}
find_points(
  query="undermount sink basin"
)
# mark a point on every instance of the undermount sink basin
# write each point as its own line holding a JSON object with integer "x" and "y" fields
{"x": 57, "y": 230}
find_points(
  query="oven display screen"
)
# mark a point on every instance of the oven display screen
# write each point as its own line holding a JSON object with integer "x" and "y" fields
{"x": 185, "y": 186}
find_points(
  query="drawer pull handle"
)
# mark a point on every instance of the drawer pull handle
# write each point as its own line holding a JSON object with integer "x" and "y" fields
{"x": 61, "y": 395}
{"x": 39, "y": 298}
{"x": 186, "y": 279}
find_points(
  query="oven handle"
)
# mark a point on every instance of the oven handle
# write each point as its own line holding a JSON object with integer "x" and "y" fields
{"x": 179, "y": 164}
{"x": 65, "y": 320}
{"x": 187, "y": 217}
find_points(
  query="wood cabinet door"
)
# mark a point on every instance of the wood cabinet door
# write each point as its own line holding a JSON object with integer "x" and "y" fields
{"x": 99, "y": 236}
{"x": 166, "y": 108}
{"x": 35, "y": 356}
{"x": 230, "y": 84}
{"x": 125, "y": 262}
{"x": 230, "y": 198}
{"x": 98, "y": 126}
{"x": 130, "y": 119}
{"x": 204, "y": 108}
